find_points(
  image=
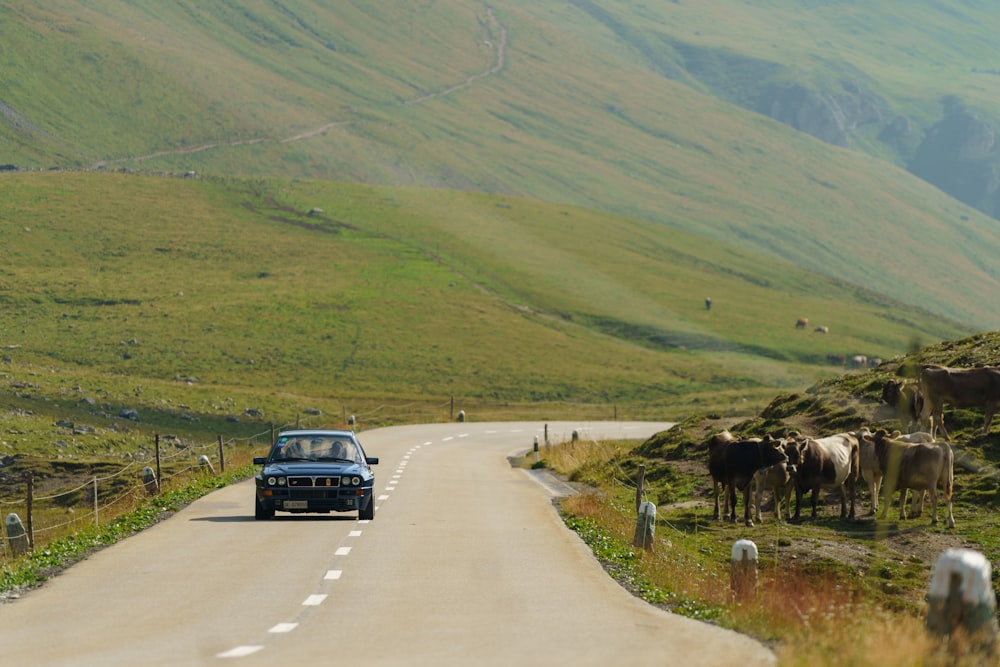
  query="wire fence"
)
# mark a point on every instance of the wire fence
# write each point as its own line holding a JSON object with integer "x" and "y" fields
{"x": 35, "y": 512}
{"x": 33, "y": 519}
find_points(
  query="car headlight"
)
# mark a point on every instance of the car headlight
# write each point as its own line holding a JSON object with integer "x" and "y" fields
{"x": 271, "y": 481}
{"x": 281, "y": 481}
{"x": 352, "y": 481}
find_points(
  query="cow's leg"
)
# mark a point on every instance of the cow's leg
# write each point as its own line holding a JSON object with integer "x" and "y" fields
{"x": 933, "y": 492}
{"x": 732, "y": 502}
{"x": 990, "y": 409}
{"x": 716, "y": 487}
{"x": 758, "y": 497}
{"x": 902, "y": 503}
{"x": 940, "y": 424}
{"x": 876, "y": 488}
{"x": 916, "y": 504}
{"x": 798, "y": 504}
{"x": 746, "y": 505}
{"x": 852, "y": 489}
{"x": 815, "y": 499}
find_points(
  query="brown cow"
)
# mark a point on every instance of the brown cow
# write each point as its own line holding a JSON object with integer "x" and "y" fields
{"x": 825, "y": 462}
{"x": 743, "y": 459}
{"x": 717, "y": 468}
{"x": 802, "y": 323}
{"x": 780, "y": 481}
{"x": 908, "y": 401}
{"x": 872, "y": 471}
{"x": 921, "y": 466}
{"x": 961, "y": 387}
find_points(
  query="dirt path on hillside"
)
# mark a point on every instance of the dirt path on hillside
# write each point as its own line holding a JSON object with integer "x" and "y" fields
{"x": 499, "y": 49}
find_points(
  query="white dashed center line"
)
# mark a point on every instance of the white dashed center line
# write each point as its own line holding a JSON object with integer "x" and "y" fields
{"x": 240, "y": 651}
{"x": 283, "y": 627}
{"x": 330, "y": 575}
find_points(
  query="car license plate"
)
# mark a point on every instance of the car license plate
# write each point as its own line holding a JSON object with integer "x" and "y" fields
{"x": 296, "y": 504}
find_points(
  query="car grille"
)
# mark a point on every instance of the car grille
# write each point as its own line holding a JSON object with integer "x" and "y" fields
{"x": 325, "y": 481}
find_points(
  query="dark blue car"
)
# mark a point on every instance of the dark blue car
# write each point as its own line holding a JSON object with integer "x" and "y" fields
{"x": 315, "y": 470}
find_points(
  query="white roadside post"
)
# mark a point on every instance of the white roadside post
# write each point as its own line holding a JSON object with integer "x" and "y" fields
{"x": 206, "y": 464}
{"x": 645, "y": 526}
{"x": 17, "y": 537}
{"x": 149, "y": 481}
{"x": 743, "y": 570}
{"x": 962, "y": 603}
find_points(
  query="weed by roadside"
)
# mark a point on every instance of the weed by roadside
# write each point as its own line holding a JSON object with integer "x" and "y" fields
{"x": 36, "y": 567}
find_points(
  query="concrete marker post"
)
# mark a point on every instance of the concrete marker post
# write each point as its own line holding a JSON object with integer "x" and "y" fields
{"x": 149, "y": 481}
{"x": 743, "y": 570}
{"x": 17, "y": 537}
{"x": 962, "y": 603}
{"x": 645, "y": 526}
{"x": 206, "y": 464}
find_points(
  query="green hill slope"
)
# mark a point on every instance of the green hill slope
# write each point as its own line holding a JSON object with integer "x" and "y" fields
{"x": 613, "y": 107}
{"x": 319, "y": 289}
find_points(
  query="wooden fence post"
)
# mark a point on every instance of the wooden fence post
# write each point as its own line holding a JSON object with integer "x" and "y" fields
{"x": 159, "y": 477}
{"x": 639, "y": 486}
{"x": 222, "y": 456}
{"x": 30, "y": 511}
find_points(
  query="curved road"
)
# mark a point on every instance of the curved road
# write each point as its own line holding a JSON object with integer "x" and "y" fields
{"x": 466, "y": 563}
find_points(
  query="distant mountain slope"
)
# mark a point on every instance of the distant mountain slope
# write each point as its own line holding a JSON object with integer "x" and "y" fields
{"x": 637, "y": 110}
{"x": 315, "y": 288}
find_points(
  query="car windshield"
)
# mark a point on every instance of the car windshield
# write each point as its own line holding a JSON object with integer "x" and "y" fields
{"x": 315, "y": 448}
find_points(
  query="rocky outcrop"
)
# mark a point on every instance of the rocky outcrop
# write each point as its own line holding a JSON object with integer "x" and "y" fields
{"x": 958, "y": 155}
{"x": 829, "y": 115}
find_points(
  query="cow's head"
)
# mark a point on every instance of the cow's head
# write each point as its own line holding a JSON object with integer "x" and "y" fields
{"x": 772, "y": 451}
{"x": 792, "y": 449}
{"x": 891, "y": 391}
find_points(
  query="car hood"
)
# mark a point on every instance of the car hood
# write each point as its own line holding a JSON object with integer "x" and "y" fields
{"x": 313, "y": 468}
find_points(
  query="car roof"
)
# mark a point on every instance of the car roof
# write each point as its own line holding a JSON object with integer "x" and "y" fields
{"x": 312, "y": 432}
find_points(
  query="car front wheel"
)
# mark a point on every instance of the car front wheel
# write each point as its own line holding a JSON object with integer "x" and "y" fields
{"x": 367, "y": 513}
{"x": 262, "y": 513}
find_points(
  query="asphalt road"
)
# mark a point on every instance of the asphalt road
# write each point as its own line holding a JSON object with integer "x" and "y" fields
{"x": 466, "y": 563}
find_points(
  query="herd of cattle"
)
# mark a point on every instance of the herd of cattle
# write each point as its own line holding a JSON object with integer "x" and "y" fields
{"x": 888, "y": 462}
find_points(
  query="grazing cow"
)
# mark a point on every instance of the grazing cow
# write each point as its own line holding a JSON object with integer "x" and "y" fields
{"x": 802, "y": 323}
{"x": 921, "y": 466}
{"x": 717, "y": 468}
{"x": 961, "y": 387}
{"x": 836, "y": 359}
{"x": 872, "y": 471}
{"x": 780, "y": 481}
{"x": 822, "y": 329}
{"x": 859, "y": 361}
{"x": 832, "y": 461}
{"x": 908, "y": 401}
{"x": 743, "y": 459}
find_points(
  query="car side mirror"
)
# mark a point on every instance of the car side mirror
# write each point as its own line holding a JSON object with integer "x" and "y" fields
{"x": 371, "y": 460}
{"x": 259, "y": 460}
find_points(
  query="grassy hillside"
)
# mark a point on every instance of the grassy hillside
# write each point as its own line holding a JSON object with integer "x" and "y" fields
{"x": 613, "y": 107}
{"x": 318, "y": 289}
{"x": 832, "y": 591}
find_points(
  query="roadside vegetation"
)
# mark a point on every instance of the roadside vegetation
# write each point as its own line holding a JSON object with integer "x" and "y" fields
{"x": 831, "y": 592}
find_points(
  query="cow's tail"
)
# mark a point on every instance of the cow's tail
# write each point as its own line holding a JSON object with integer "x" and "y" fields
{"x": 948, "y": 474}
